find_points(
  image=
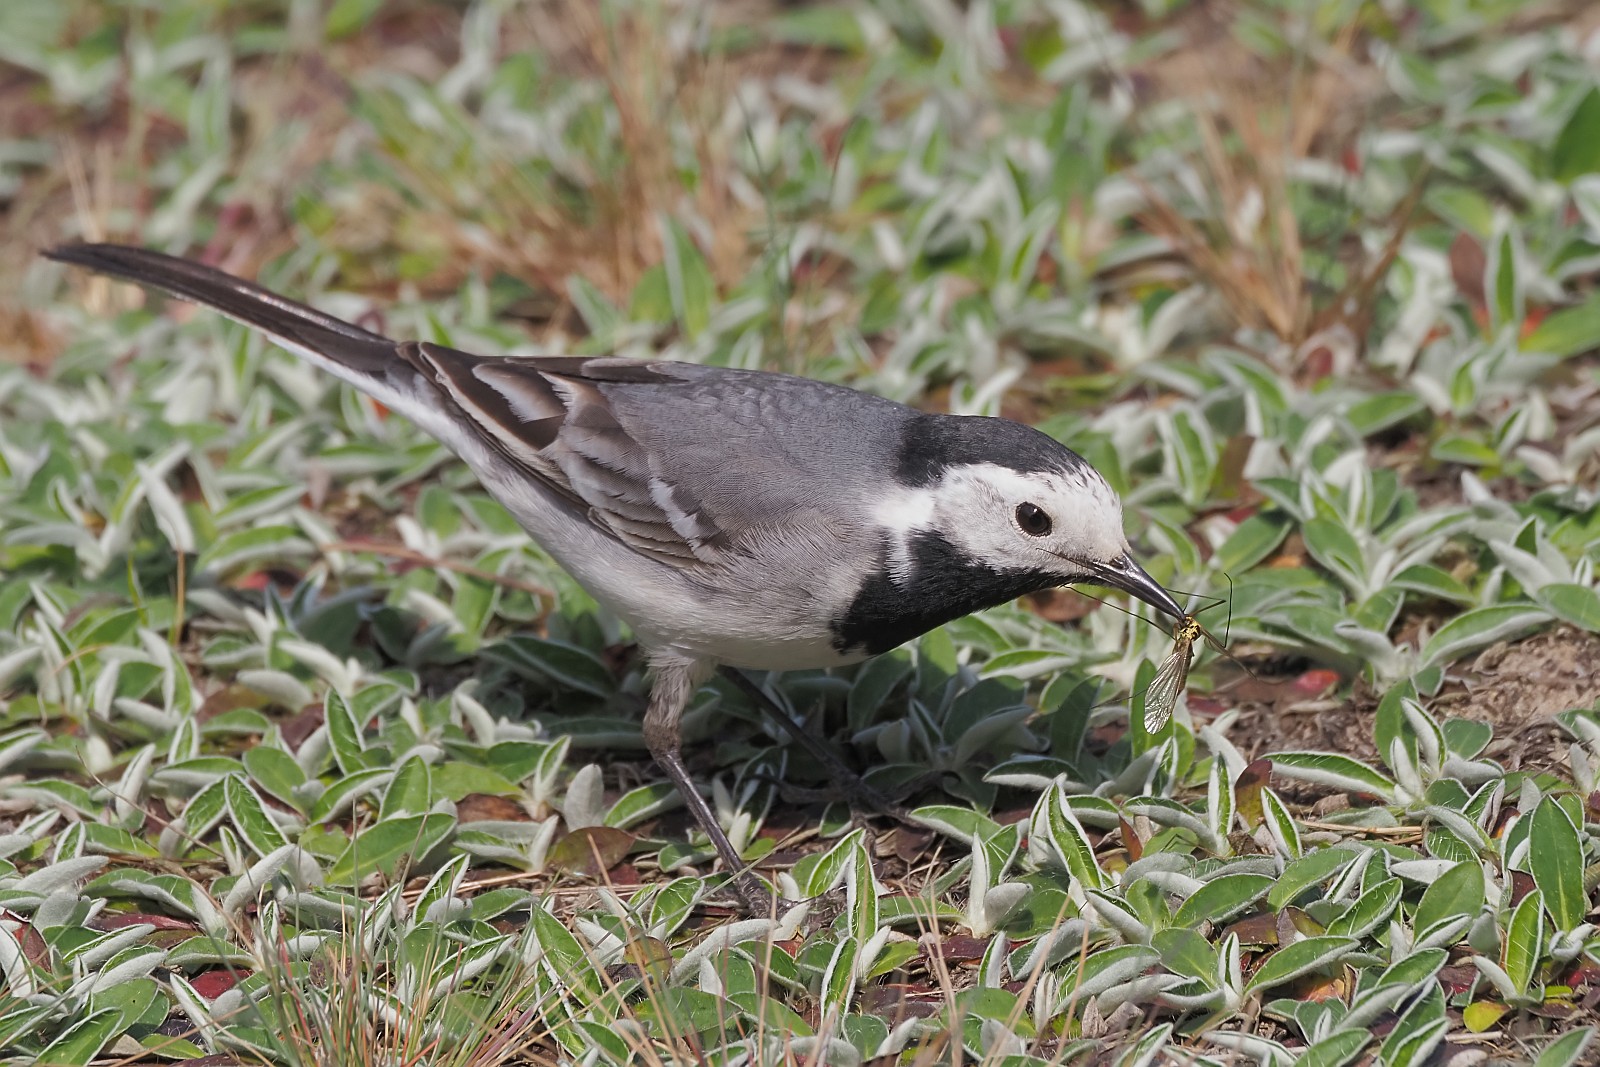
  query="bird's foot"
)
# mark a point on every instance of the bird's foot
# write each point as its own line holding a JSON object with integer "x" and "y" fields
{"x": 750, "y": 895}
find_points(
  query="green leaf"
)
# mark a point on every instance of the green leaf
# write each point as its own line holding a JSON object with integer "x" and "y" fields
{"x": 599, "y": 314}
{"x": 1055, "y": 836}
{"x": 1417, "y": 1032}
{"x": 962, "y": 823}
{"x": 564, "y": 956}
{"x": 1304, "y": 956}
{"x": 1313, "y": 868}
{"x": 345, "y": 791}
{"x": 1432, "y": 581}
{"x": 1577, "y": 604}
{"x": 839, "y": 978}
{"x": 1337, "y": 549}
{"x": 1185, "y": 952}
{"x": 1333, "y": 770}
{"x": 830, "y": 27}
{"x": 877, "y": 678}
{"x": 1109, "y": 966}
{"x": 1556, "y": 861}
{"x": 644, "y": 802}
{"x": 568, "y": 665}
{"x": 1577, "y": 148}
{"x": 1414, "y": 971}
{"x": 1466, "y": 737}
{"x": 829, "y": 868}
{"x": 1480, "y": 628}
{"x": 1569, "y": 331}
{"x": 1219, "y": 800}
{"x": 344, "y": 733}
{"x": 1458, "y": 891}
{"x": 1370, "y": 910}
{"x": 249, "y": 814}
{"x": 689, "y": 282}
{"x": 82, "y": 1041}
{"x": 455, "y": 779}
{"x": 861, "y": 896}
{"x": 233, "y": 550}
{"x": 1222, "y": 898}
{"x": 410, "y": 791}
{"x": 1280, "y": 823}
{"x": 1459, "y": 448}
{"x": 274, "y": 770}
{"x": 1524, "y": 948}
{"x": 1252, "y": 541}
{"x": 1566, "y": 1050}
{"x": 346, "y": 17}
{"x": 1378, "y": 412}
{"x": 1336, "y": 1050}
{"x": 477, "y": 597}
{"x": 1501, "y": 285}
{"x": 671, "y": 906}
{"x": 390, "y": 847}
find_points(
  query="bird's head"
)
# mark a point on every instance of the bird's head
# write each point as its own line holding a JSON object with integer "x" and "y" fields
{"x": 1016, "y": 501}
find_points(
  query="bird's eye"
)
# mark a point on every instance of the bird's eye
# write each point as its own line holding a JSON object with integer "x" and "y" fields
{"x": 1033, "y": 520}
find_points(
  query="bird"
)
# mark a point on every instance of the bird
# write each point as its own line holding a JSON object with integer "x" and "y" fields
{"x": 734, "y": 519}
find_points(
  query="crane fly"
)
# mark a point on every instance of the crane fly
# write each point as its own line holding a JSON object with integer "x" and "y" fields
{"x": 1162, "y": 696}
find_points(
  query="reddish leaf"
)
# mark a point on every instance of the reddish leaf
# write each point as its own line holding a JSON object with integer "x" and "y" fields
{"x": 1261, "y": 929}
{"x": 1131, "y": 841}
{"x": 1247, "y": 791}
{"x": 1521, "y": 886}
{"x": 484, "y": 807}
{"x": 911, "y": 846}
{"x": 902, "y": 1001}
{"x": 301, "y": 725}
{"x": 591, "y": 851}
{"x": 1316, "y": 682}
{"x": 1467, "y": 264}
{"x": 956, "y": 949}
{"x": 1457, "y": 978}
{"x": 212, "y": 984}
{"x": 33, "y": 945}
{"x": 1531, "y": 320}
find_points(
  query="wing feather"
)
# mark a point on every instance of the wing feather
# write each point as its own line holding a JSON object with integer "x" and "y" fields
{"x": 555, "y": 421}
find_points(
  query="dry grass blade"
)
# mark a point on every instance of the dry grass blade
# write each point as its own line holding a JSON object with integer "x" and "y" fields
{"x": 1254, "y": 123}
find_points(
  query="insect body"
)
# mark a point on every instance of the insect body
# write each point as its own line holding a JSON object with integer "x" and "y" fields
{"x": 1162, "y": 696}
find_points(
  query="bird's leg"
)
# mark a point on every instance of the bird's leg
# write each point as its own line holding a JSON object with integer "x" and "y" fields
{"x": 675, "y": 682}
{"x": 856, "y": 790}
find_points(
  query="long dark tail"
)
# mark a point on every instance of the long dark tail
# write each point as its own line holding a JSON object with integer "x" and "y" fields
{"x": 366, "y": 359}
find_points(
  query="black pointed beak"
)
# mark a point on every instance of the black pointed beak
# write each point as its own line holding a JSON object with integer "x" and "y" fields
{"x": 1127, "y": 575}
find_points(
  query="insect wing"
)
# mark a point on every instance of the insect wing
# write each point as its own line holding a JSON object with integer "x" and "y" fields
{"x": 1162, "y": 696}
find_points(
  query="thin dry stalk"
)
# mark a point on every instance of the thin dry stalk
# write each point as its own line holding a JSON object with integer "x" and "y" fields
{"x": 1253, "y": 122}
{"x": 523, "y": 218}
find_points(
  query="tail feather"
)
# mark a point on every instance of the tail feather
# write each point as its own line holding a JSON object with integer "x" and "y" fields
{"x": 366, "y": 359}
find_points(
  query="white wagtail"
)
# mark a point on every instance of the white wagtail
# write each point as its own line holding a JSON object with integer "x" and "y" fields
{"x": 733, "y": 518}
